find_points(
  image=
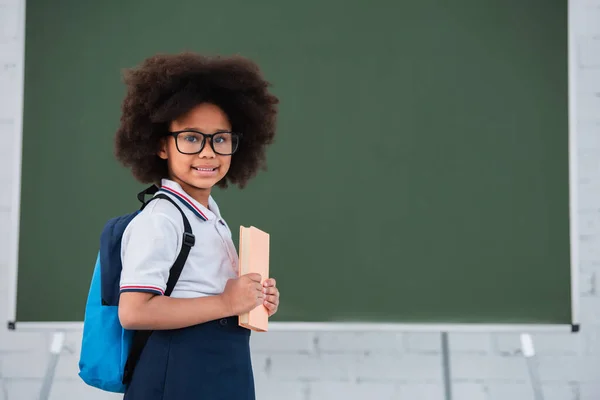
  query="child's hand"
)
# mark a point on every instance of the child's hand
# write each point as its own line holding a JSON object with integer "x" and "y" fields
{"x": 271, "y": 295}
{"x": 243, "y": 294}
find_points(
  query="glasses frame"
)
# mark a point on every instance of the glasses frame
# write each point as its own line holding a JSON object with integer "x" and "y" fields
{"x": 204, "y": 137}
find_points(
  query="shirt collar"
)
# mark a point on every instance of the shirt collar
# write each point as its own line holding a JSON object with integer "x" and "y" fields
{"x": 174, "y": 189}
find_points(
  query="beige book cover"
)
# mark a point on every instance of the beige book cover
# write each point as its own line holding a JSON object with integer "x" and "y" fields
{"x": 254, "y": 258}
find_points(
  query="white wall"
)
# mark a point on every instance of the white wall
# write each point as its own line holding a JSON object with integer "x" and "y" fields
{"x": 314, "y": 366}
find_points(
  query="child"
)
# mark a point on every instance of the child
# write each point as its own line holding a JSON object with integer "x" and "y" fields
{"x": 188, "y": 123}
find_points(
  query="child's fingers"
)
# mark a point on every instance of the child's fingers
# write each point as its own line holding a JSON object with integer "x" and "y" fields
{"x": 270, "y": 306}
{"x": 272, "y": 299}
{"x": 269, "y": 282}
{"x": 270, "y": 290}
{"x": 271, "y": 295}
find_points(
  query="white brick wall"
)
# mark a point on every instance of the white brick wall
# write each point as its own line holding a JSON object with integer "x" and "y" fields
{"x": 381, "y": 365}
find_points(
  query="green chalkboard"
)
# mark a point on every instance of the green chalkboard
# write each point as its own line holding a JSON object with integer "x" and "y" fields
{"x": 420, "y": 172}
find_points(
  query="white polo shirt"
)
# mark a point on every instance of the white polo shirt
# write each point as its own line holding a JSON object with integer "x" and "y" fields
{"x": 152, "y": 241}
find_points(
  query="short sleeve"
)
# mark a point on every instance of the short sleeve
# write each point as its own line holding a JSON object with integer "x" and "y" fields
{"x": 148, "y": 250}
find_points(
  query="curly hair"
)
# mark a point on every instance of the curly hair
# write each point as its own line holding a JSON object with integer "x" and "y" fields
{"x": 164, "y": 87}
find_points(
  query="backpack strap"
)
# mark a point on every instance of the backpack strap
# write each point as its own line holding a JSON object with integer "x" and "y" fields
{"x": 141, "y": 337}
{"x": 188, "y": 241}
{"x": 148, "y": 191}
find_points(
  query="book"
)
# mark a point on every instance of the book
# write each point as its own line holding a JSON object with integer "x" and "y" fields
{"x": 254, "y": 258}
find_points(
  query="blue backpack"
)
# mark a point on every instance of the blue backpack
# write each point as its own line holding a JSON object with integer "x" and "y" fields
{"x": 109, "y": 352}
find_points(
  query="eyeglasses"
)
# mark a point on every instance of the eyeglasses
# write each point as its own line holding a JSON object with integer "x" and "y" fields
{"x": 192, "y": 142}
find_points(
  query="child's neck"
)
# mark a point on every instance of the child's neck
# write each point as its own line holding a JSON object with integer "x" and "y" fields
{"x": 201, "y": 196}
{"x": 198, "y": 194}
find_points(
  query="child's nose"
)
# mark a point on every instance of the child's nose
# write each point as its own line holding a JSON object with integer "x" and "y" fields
{"x": 207, "y": 151}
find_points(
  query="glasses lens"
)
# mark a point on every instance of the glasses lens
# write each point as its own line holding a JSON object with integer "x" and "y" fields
{"x": 225, "y": 143}
{"x": 189, "y": 142}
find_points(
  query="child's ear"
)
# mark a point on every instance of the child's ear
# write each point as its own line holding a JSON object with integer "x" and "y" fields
{"x": 162, "y": 150}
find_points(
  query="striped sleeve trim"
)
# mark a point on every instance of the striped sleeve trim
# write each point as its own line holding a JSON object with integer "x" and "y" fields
{"x": 142, "y": 288}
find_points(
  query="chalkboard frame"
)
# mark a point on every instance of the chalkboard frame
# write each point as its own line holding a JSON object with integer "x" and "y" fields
{"x": 13, "y": 244}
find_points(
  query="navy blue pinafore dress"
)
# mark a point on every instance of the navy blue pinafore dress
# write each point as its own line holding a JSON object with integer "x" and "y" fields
{"x": 208, "y": 361}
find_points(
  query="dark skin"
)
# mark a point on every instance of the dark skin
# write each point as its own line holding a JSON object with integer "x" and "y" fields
{"x": 197, "y": 174}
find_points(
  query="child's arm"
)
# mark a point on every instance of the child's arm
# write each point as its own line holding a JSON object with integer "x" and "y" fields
{"x": 149, "y": 247}
{"x": 149, "y": 311}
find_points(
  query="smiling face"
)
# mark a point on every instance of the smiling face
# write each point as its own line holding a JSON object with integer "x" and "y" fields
{"x": 197, "y": 173}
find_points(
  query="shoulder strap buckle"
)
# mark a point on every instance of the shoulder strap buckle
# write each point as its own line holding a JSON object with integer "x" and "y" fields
{"x": 189, "y": 239}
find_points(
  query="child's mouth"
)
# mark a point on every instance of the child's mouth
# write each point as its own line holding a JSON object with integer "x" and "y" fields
{"x": 205, "y": 169}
